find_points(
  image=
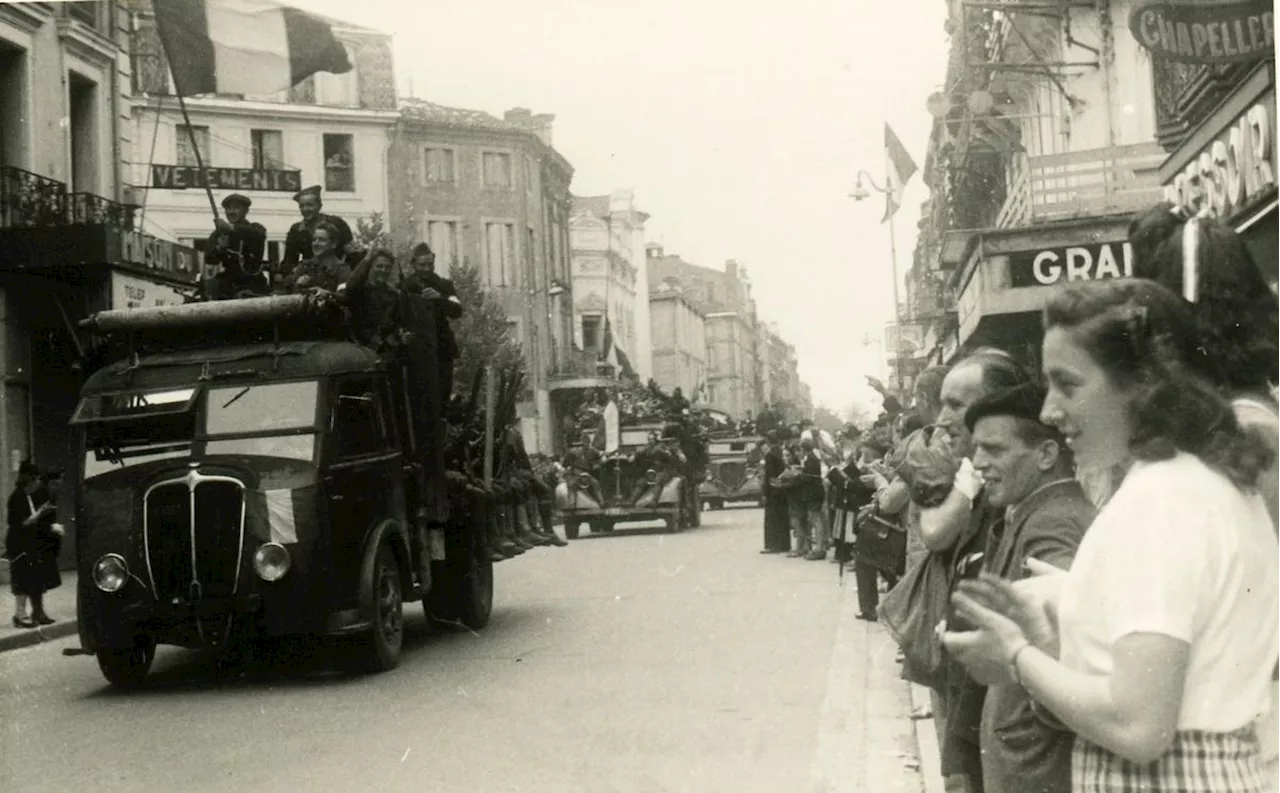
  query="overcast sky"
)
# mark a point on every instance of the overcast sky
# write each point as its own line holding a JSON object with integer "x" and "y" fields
{"x": 740, "y": 124}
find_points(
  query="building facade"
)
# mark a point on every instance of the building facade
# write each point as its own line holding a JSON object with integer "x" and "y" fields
{"x": 1034, "y": 176}
{"x": 492, "y": 193}
{"x": 724, "y": 297}
{"x": 69, "y": 241}
{"x": 780, "y": 376}
{"x": 330, "y": 130}
{"x": 679, "y": 342}
{"x": 605, "y": 284}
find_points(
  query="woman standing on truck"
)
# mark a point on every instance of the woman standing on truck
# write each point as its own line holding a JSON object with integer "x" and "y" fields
{"x": 32, "y": 543}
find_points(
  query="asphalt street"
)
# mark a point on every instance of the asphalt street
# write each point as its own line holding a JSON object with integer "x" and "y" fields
{"x": 630, "y": 662}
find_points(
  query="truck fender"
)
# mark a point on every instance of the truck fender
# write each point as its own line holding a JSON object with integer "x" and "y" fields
{"x": 673, "y": 491}
{"x": 387, "y": 529}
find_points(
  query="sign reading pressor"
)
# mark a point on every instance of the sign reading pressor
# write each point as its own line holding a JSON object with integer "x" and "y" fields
{"x": 1231, "y": 161}
{"x": 1074, "y": 263}
{"x": 182, "y": 177}
{"x": 1205, "y": 31}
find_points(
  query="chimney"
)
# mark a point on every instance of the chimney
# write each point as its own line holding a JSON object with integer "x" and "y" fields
{"x": 521, "y": 116}
{"x": 542, "y": 127}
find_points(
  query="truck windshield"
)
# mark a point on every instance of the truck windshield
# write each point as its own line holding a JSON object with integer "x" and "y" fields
{"x": 131, "y": 428}
{"x": 261, "y": 408}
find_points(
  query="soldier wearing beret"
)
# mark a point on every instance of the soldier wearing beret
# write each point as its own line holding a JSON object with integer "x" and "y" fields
{"x": 297, "y": 244}
{"x": 238, "y": 246}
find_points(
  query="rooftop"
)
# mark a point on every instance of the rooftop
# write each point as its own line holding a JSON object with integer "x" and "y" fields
{"x": 422, "y": 110}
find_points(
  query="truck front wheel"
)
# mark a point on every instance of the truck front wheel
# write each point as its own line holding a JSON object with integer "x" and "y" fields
{"x": 464, "y": 592}
{"x": 379, "y": 649}
{"x": 127, "y": 667}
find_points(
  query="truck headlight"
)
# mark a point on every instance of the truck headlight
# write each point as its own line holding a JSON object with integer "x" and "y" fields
{"x": 110, "y": 573}
{"x": 271, "y": 561}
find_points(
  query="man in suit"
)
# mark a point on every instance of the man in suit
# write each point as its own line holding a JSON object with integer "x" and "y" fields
{"x": 238, "y": 246}
{"x": 1027, "y": 472}
{"x": 297, "y": 243}
{"x": 425, "y": 281}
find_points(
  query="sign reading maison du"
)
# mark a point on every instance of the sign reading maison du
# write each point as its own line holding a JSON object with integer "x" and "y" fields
{"x": 1073, "y": 263}
{"x": 182, "y": 177}
{"x": 1205, "y": 31}
{"x": 142, "y": 251}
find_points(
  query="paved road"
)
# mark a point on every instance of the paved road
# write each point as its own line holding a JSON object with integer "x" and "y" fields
{"x": 636, "y": 661}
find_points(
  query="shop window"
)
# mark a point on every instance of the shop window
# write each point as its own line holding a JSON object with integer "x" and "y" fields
{"x": 339, "y": 164}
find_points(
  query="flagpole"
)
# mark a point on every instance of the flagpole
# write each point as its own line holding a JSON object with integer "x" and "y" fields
{"x": 186, "y": 119}
{"x": 893, "y": 268}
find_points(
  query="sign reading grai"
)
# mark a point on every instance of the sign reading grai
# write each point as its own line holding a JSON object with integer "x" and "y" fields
{"x": 1073, "y": 263}
{"x": 1205, "y": 31}
{"x": 1235, "y": 167}
{"x": 182, "y": 177}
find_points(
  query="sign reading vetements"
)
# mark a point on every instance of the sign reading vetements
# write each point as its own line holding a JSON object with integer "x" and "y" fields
{"x": 183, "y": 177}
{"x": 1074, "y": 263}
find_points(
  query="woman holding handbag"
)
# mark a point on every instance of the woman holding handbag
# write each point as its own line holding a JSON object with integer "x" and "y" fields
{"x": 32, "y": 543}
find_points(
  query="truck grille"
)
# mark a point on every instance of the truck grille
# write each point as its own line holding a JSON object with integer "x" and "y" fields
{"x": 733, "y": 475}
{"x": 194, "y": 536}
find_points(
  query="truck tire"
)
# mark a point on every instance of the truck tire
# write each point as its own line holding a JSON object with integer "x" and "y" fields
{"x": 571, "y": 529}
{"x": 127, "y": 667}
{"x": 378, "y": 650}
{"x": 463, "y": 594}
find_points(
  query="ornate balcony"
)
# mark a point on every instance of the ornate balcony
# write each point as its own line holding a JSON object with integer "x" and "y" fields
{"x": 582, "y": 369}
{"x": 98, "y": 211}
{"x": 29, "y": 199}
{"x": 1078, "y": 184}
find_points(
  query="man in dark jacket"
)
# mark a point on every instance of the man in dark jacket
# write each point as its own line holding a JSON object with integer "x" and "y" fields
{"x": 777, "y": 537}
{"x": 238, "y": 247}
{"x": 297, "y": 243}
{"x": 1027, "y": 472}
{"x": 425, "y": 281}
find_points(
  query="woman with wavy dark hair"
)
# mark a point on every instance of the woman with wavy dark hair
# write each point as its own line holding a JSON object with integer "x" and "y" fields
{"x": 1166, "y": 631}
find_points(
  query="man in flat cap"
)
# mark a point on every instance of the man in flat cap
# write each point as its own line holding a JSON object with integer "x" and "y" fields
{"x": 297, "y": 244}
{"x": 238, "y": 246}
{"x": 1027, "y": 473}
{"x": 424, "y": 280}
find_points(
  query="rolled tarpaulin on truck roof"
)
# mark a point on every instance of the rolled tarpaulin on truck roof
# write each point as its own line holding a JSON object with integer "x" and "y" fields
{"x": 214, "y": 313}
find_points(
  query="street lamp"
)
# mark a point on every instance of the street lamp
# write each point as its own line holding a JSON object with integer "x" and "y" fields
{"x": 859, "y": 193}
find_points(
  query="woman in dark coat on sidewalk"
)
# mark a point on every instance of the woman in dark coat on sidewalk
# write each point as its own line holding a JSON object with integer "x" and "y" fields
{"x": 777, "y": 521}
{"x": 32, "y": 544}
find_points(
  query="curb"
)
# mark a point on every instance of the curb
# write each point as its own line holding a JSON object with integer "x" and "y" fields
{"x": 926, "y": 742}
{"x": 27, "y": 638}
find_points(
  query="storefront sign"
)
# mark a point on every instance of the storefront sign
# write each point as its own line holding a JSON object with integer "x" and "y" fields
{"x": 130, "y": 291}
{"x": 145, "y": 252}
{"x": 1196, "y": 31}
{"x": 1075, "y": 263}
{"x": 1233, "y": 168}
{"x": 182, "y": 177}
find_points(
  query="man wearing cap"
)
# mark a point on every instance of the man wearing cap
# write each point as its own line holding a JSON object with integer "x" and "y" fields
{"x": 238, "y": 246}
{"x": 1027, "y": 473}
{"x": 297, "y": 243}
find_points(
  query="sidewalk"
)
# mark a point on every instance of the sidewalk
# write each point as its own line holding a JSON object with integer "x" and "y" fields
{"x": 60, "y": 604}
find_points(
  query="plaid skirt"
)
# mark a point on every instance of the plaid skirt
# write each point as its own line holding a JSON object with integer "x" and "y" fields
{"x": 1197, "y": 762}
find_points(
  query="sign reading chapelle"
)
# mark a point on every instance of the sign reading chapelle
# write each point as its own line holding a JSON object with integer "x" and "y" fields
{"x": 1205, "y": 31}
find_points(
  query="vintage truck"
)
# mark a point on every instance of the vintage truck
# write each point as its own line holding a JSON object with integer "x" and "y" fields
{"x": 640, "y": 481}
{"x": 734, "y": 473}
{"x": 248, "y": 472}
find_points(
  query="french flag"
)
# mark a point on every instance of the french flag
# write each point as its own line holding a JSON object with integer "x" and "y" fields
{"x": 244, "y": 46}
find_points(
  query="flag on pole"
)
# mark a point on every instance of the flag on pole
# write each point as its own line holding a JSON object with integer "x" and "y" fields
{"x": 244, "y": 46}
{"x": 900, "y": 168}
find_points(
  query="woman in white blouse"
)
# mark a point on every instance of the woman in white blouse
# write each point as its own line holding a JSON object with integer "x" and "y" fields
{"x": 1166, "y": 625}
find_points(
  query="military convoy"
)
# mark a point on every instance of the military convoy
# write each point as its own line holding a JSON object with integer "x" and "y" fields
{"x": 735, "y": 472}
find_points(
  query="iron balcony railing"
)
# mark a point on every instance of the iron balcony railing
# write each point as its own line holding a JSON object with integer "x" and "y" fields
{"x": 1076, "y": 184}
{"x": 582, "y": 363}
{"x": 29, "y": 200}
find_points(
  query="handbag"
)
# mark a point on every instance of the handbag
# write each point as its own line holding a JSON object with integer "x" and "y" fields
{"x": 912, "y": 610}
{"x": 881, "y": 544}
